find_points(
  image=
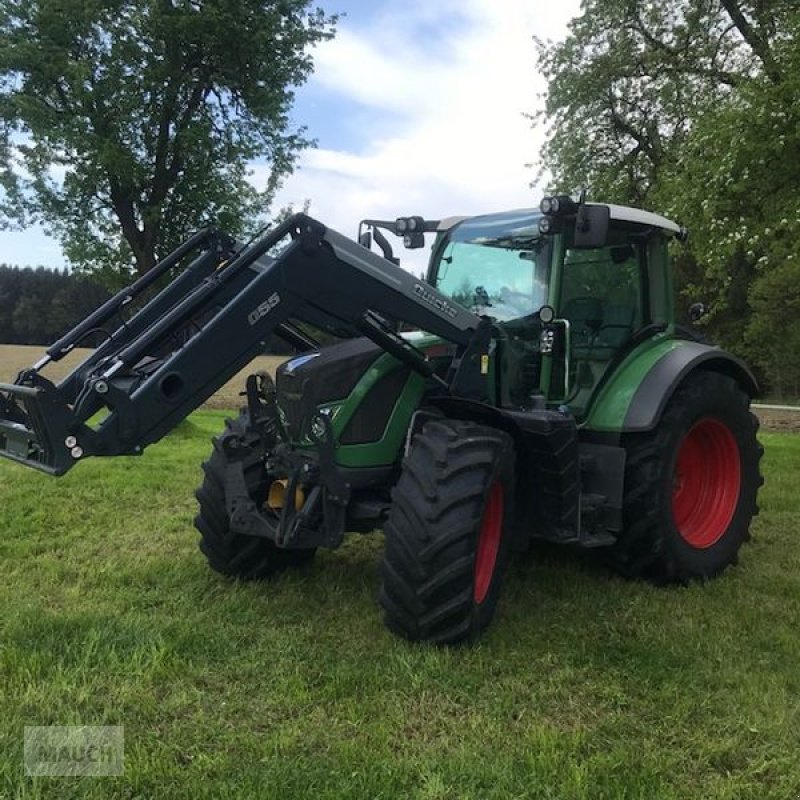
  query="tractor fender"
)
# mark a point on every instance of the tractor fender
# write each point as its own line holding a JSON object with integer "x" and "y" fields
{"x": 667, "y": 373}
{"x": 477, "y": 411}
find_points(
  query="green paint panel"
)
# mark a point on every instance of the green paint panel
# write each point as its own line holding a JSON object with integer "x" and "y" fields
{"x": 609, "y": 409}
{"x": 384, "y": 450}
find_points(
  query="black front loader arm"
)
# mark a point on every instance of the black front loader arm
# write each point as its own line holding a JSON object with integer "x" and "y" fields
{"x": 209, "y": 323}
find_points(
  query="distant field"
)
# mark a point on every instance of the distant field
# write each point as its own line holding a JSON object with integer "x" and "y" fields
{"x": 15, "y": 357}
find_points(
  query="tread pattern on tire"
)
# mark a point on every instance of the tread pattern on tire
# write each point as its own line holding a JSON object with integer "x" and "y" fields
{"x": 650, "y": 546}
{"x": 433, "y": 528}
{"x": 233, "y": 554}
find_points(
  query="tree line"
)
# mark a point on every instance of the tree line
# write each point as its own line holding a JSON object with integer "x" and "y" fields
{"x": 38, "y": 305}
{"x": 691, "y": 108}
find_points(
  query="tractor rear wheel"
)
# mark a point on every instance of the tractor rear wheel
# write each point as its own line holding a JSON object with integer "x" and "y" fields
{"x": 691, "y": 485}
{"x": 230, "y": 553}
{"x": 448, "y": 532}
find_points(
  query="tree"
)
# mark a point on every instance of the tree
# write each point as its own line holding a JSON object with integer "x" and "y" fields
{"x": 691, "y": 108}
{"x": 129, "y": 124}
{"x": 773, "y": 334}
{"x": 627, "y": 84}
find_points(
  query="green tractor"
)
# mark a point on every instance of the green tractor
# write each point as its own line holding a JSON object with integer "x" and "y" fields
{"x": 534, "y": 385}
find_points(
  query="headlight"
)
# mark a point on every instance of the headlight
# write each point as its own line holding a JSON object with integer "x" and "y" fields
{"x": 555, "y": 205}
{"x": 549, "y": 205}
{"x": 318, "y": 428}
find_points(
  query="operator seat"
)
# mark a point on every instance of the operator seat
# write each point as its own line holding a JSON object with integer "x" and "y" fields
{"x": 619, "y": 317}
{"x": 585, "y": 315}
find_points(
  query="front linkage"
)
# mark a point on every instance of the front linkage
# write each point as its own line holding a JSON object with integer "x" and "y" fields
{"x": 306, "y": 497}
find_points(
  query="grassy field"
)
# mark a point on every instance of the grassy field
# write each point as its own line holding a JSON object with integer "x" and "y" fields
{"x": 586, "y": 687}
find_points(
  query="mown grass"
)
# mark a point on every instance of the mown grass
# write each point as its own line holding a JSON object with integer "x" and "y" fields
{"x": 586, "y": 687}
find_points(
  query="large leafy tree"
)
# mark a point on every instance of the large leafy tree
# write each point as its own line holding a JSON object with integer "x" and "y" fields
{"x": 127, "y": 124}
{"x": 627, "y": 85}
{"x": 691, "y": 108}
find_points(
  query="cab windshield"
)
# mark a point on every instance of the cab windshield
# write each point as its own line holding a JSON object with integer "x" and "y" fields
{"x": 496, "y": 265}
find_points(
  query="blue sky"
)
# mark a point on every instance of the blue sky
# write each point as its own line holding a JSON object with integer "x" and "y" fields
{"x": 417, "y": 108}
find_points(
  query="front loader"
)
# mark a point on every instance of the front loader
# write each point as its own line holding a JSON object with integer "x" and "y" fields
{"x": 534, "y": 385}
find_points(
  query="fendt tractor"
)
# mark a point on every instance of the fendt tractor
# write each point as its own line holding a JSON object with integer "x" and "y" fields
{"x": 534, "y": 385}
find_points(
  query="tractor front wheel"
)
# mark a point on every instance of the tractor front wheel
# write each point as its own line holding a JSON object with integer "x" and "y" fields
{"x": 691, "y": 485}
{"x": 234, "y": 554}
{"x": 448, "y": 532}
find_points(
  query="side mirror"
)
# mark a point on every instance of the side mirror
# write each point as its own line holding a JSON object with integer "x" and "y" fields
{"x": 365, "y": 240}
{"x": 591, "y": 227}
{"x": 385, "y": 247}
{"x": 697, "y": 311}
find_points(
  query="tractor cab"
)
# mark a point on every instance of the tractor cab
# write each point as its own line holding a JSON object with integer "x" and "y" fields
{"x": 570, "y": 297}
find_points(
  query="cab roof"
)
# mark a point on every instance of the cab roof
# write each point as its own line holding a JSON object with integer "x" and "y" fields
{"x": 621, "y": 213}
{"x": 648, "y": 218}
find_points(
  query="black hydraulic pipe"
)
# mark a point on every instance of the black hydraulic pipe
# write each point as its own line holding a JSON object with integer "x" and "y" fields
{"x": 398, "y": 347}
{"x": 295, "y": 337}
{"x": 97, "y": 318}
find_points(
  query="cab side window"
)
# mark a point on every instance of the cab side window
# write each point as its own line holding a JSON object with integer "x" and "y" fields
{"x": 601, "y": 296}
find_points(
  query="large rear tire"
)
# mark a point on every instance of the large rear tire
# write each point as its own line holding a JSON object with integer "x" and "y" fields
{"x": 691, "y": 485}
{"x": 233, "y": 554}
{"x": 448, "y": 533}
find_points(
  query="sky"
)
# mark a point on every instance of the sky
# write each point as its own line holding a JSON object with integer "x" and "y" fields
{"x": 418, "y": 107}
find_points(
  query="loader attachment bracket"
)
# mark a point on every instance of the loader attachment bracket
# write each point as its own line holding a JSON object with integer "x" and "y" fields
{"x": 37, "y": 429}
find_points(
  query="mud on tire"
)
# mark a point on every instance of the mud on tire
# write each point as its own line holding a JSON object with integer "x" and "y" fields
{"x": 691, "y": 485}
{"x": 448, "y": 533}
{"x": 229, "y": 553}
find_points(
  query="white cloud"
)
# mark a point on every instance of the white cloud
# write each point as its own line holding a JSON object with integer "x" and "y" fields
{"x": 458, "y": 141}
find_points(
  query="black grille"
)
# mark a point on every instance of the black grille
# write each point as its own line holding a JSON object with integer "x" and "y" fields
{"x": 291, "y": 404}
{"x": 369, "y": 421}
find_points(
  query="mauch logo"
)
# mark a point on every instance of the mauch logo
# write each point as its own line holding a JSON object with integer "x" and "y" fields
{"x": 264, "y": 308}
{"x": 434, "y": 300}
{"x": 61, "y": 750}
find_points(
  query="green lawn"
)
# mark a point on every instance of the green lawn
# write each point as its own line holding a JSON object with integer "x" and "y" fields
{"x": 586, "y": 687}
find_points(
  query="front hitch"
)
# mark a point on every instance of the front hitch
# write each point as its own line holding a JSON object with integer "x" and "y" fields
{"x": 311, "y": 474}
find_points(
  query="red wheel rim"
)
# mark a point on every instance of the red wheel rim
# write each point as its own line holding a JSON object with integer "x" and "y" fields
{"x": 706, "y": 483}
{"x": 488, "y": 542}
